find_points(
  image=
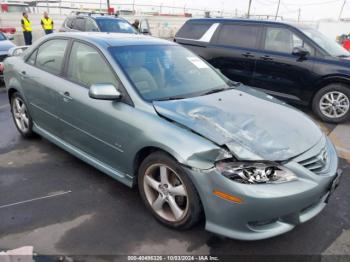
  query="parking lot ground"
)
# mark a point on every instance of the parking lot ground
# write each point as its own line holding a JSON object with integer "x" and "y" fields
{"x": 59, "y": 205}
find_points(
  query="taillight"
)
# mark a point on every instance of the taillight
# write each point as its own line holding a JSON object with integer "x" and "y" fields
{"x": 2, "y": 67}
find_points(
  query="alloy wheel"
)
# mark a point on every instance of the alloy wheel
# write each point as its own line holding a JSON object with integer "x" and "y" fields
{"x": 334, "y": 104}
{"x": 20, "y": 114}
{"x": 166, "y": 192}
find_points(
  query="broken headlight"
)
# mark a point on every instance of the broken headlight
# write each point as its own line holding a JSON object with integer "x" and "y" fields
{"x": 255, "y": 172}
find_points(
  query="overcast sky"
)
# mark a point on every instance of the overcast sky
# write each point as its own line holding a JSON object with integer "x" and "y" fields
{"x": 310, "y": 9}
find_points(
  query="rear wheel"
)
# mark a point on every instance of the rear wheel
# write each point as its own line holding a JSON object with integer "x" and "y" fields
{"x": 332, "y": 103}
{"x": 21, "y": 117}
{"x": 167, "y": 191}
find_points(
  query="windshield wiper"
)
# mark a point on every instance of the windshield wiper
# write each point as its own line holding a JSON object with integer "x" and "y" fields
{"x": 217, "y": 90}
{"x": 342, "y": 56}
{"x": 170, "y": 98}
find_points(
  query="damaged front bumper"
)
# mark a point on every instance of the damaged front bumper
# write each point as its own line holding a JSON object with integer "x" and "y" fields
{"x": 266, "y": 210}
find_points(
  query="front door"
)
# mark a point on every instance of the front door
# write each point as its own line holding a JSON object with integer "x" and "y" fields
{"x": 277, "y": 70}
{"x": 99, "y": 128}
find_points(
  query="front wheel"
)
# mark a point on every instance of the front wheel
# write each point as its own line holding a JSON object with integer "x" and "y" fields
{"x": 168, "y": 192}
{"x": 21, "y": 117}
{"x": 332, "y": 103}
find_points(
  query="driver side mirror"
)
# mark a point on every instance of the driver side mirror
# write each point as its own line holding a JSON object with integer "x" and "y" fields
{"x": 300, "y": 51}
{"x": 104, "y": 92}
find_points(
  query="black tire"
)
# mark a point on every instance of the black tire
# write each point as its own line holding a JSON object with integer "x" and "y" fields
{"x": 194, "y": 207}
{"x": 344, "y": 89}
{"x": 28, "y": 132}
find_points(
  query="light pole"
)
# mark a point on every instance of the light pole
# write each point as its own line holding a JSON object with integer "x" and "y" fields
{"x": 249, "y": 6}
{"x": 341, "y": 10}
{"x": 278, "y": 8}
{"x": 186, "y": 2}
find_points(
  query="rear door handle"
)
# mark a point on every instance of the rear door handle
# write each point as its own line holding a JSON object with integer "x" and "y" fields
{"x": 247, "y": 54}
{"x": 266, "y": 58}
{"x": 66, "y": 96}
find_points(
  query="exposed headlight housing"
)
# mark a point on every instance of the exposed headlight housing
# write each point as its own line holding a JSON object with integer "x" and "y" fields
{"x": 255, "y": 172}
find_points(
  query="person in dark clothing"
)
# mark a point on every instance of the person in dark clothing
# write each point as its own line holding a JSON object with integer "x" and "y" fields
{"x": 27, "y": 29}
{"x": 136, "y": 25}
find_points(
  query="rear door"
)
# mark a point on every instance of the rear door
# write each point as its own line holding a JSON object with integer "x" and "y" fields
{"x": 40, "y": 77}
{"x": 277, "y": 70}
{"x": 234, "y": 50}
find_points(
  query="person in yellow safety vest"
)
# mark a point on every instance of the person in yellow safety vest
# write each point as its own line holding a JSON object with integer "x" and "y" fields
{"x": 47, "y": 23}
{"x": 27, "y": 29}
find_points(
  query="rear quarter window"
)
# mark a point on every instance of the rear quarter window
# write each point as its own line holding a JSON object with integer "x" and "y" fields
{"x": 193, "y": 30}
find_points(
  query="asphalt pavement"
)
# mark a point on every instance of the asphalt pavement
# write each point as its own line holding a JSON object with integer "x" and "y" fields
{"x": 59, "y": 205}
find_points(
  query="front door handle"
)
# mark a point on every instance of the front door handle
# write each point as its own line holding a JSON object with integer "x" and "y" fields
{"x": 23, "y": 73}
{"x": 66, "y": 96}
{"x": 266, "y": 58}
{"x": 247, "y": 54}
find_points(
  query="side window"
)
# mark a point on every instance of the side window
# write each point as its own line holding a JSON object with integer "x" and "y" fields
{"x": 79, "y": 24}
{"x": 193, "y": 30}
{"x": 87, "y": 67}
{"x": 32, "y": 58}
{"x": 239, "y": 35}
{"x": 69, "y": 22}
{"x": 283, "y": 40}
{"x": 51, "y": 55}
{"x": 90, "y": 26}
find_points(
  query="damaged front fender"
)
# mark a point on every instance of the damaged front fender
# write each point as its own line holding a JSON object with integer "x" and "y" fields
{"x": 207, "y": 159}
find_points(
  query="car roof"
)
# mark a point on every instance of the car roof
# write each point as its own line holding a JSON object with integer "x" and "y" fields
{"x": 106, "y": 17}
{"x": 252, "y": 21}
{"x": 98, "y": 16}
{"x": 114, "y": 39}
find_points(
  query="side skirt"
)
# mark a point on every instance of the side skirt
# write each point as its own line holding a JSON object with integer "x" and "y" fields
{"x": 124, "y": 178}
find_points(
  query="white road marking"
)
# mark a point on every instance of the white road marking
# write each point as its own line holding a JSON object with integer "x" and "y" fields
{"x": 35, "y": 199}
{"x": 4, "y": 106}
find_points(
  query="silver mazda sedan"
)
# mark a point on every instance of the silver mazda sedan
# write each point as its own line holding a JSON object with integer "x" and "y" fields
{"x": 150, "y": 113}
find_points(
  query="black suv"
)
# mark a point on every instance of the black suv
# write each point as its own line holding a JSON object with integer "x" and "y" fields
{"x": 293, "y": 62}
{"x": 95, "y": 22}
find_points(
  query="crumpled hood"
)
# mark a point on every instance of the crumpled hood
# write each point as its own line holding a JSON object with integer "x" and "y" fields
{"x": 253, "y": 125}
{"x": 5, "y": 45}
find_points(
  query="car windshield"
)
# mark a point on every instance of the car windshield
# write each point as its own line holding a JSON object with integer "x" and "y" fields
{"x": 330, "y": 46}
{"x": 115, "y": 26}
{"x": 2, "y": 37}
{"x": 162, "y": 72}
